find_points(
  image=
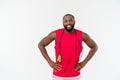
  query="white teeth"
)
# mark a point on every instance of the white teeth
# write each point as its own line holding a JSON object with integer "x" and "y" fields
{"x": 68, "y": 26}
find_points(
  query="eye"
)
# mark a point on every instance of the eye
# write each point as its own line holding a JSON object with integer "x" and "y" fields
{"x": 65, "y": 20}
{"x": 71, "y": 20}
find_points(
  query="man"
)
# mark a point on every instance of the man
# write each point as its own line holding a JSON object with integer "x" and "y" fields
{"x": 68, "y": 47}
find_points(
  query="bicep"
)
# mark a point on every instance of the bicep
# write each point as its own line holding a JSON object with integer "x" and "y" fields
{"x": 86, "y": 38}
{"x": 48, "y": 39}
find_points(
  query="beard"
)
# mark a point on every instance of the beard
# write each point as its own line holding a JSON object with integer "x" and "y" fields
{"x": 70, "y": 28}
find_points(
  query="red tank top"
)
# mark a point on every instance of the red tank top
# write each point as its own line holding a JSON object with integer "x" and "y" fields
{"x": 69, "y": 46}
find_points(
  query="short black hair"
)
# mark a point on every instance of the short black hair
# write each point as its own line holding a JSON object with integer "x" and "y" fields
{"x": 68, "y": 15}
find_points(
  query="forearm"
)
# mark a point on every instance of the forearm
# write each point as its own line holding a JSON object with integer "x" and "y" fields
{"x": 90, "y": 54}
{"x": 44, "y": 52}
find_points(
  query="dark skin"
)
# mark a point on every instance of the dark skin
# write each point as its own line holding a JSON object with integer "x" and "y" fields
{"x": 68, "y": 20}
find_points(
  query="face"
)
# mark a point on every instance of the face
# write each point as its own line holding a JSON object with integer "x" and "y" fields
{"x": 68, "y": 23}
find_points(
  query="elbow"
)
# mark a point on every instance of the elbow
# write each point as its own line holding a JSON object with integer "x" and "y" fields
{"x": 39, "y": 44}
{"x": 96, "y": 48}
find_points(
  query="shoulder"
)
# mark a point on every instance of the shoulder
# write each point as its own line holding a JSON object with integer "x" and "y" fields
{"x": 79, "y": 31}
{"x": 85, "y": 36}
{"x": 58, "y": 30}
{"x": 53, "y": 34}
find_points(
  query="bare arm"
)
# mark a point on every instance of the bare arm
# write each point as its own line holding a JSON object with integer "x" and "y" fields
{"x": 42, "y": 44}
{"x": 93, "y": 48}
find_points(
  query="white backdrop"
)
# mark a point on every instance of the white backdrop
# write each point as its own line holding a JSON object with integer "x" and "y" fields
{"x": 23, "y": 23}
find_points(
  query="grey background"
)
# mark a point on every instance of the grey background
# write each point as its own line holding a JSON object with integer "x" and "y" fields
{"x": 23, "y": 23}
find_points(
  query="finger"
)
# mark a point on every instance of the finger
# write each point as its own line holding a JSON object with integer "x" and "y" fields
{"x": 77, "y": 67}
{"x": 59, "y": 65}
{"x": 58, "y": 68}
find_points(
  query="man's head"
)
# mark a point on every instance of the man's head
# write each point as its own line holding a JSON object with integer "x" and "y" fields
{"x": 68, "y": 22}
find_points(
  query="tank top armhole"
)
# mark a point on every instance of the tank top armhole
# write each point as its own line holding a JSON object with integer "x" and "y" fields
{"x": 57, "y": 33}
{"x": 80, "y": 32}
{"x": 55, "y": 36}
{"x": 81, "y": 38}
